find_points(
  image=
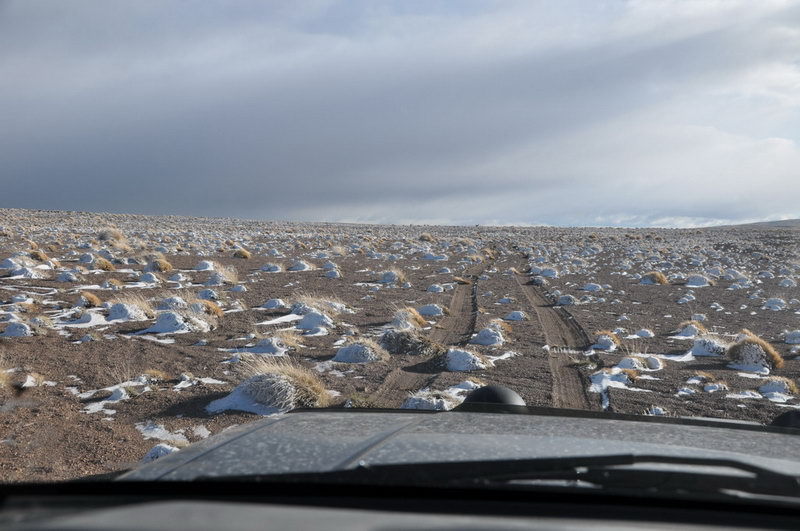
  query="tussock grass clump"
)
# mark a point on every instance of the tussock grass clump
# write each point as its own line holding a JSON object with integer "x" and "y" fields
{"x": 115, "y": 283}
{"x": 290, "y": 338}
{"x": 160, "y": 265}
{"x": 242, "y": 253}
{"x": 751, "y": 349}
{"x": 104, "y": 265}
{"x": 410, "y": 342}
{"x": 5, "y": 375}
{"x": 501, "y": 325}
{"x": 338, "y": 250}
{"x": 111, "y": 234}
{"x": 790, "y": 384}
{"x": 39, "y": 255}
{"x": 361, "y": 350}
{"x": 138, "y": 300}
{"x": 701, "y": 329}
{"x": 655, "y": 277}
{"x": 410, "y": 316}
{"x": 156, "y": 375}
{"x": 609, "y": 334}
{"x": 427, "y": 237}
{"x": 89, "y": 299}
{"x": 228, "y": 273}
{"x": 330, "y": 304}
{"x": 305, "y": 389}
{"x": 208, "y": 307}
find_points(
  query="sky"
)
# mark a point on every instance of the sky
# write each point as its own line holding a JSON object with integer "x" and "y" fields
{"x": 618, "y": 113}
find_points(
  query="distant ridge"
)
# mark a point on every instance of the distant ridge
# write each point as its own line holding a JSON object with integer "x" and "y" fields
{"x": 782, "y": 224}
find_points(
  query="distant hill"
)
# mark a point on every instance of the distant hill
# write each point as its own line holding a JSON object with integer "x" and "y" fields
{"x": 793, "y": 224}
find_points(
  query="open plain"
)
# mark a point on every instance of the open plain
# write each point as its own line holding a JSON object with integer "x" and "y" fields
{"x": 123, "y": 337}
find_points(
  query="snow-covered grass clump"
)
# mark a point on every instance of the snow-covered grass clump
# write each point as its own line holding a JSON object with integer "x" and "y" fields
{"x": 488, "y": 336}
{"x": 271, "y": 268}
{"x": 172, "y": 322}
{"x": 690, "y": 329}
{"x": 516, "y": 316}
{"x": 274, "y": 304}
{"x": 158, "y": 451}
{"x": 708, "y": 345}
{"x": 300, "y": 265}
{"x": 409, "y": 341}
{"x": 464, "y": 360}
{"x": 360, "y": 351}
{"x": 775, "y": 304}
{"x": 315, "y": 323}
{"x": 698, "y": 281}
{"x": 272, "y": 386}
{"x": 431, "y": 310}
{"x": 566, "y": 300}
{"x": 753, "y": 354}
{"x": 606, "y": 340}
{"x": 407, "y": 318}
{"x": 428, "y": 399}
{"x": 792, "y": 338}
{"x": 17, "y": 329}
{"x": 654, "y": 277}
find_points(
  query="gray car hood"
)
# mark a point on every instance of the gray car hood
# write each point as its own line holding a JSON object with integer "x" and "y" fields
{"x": 325, "y": 440}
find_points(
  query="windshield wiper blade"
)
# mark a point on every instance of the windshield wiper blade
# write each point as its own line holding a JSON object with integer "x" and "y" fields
{"x": 689, "y": 474}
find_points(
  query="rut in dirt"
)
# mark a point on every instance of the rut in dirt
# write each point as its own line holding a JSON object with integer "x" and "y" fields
{"x": 455, "y": 329}
{"x": 560, "y": 329}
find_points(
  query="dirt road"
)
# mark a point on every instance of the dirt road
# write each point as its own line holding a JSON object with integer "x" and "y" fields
{"x": 560, "y": 330}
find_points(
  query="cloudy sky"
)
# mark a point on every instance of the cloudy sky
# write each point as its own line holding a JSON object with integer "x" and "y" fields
{"x": 634, "y": 113}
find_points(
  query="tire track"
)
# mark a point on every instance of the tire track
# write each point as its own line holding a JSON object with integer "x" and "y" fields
{"x": 454, "y": 329}
{"x": 560, "y": 329}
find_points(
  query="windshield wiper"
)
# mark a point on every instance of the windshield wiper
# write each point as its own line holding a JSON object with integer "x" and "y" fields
{"x": 626, "y": 472}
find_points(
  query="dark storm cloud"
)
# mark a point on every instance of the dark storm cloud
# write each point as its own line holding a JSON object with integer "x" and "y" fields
{"x": 396, "y": 112}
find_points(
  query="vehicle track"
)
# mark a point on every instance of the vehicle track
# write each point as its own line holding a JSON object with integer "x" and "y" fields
{"x": 560, "y": 330}
{"x": 454, "y": 329}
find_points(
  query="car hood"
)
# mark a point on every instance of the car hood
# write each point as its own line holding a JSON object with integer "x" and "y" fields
{"x": 327, "y": 440}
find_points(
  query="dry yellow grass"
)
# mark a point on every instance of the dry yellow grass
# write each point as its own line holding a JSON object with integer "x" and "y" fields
{"x": 330, "y": 304}
{"x": 309, "y": 388}
{"x": 656, "y": 277}
{"x": 426, "y": 237}
{"x": 156, "y": 375}
{"x": 92, "y": 300}
{"x": 504, "y": 326}
{"x": 211, "y": 308}
{"x": 5, "y": 376}
{"x": 242, "y": 253}
{"x": 104, "y": 265}
{"x": 115, "y": 282}
{"x": 632, "y": 374}
{"x": 290, "y": 338}
{"x": 39, "y": 255}
{"x": 228, "y": 272}
{"x": 111, "y": 234}
{"x": 160, "y": 265}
